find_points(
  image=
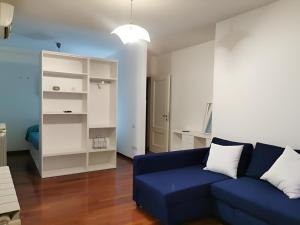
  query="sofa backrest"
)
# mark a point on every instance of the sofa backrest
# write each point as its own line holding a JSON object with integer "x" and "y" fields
{"x": 245, "y": 157}
{"x": 263, "y": 157}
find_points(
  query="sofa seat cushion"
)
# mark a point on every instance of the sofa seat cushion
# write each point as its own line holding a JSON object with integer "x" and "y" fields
{"x": 178, "y": 185}
{"x": 259, "y": 199}
{"x": 177, "y": 195}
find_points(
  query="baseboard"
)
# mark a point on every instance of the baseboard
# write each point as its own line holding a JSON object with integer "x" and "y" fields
{"x": 124, "y": 156}
{"x": 18, "y": 152}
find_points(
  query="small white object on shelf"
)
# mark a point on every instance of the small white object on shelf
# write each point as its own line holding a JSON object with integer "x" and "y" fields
{"x": 99, "y": 143}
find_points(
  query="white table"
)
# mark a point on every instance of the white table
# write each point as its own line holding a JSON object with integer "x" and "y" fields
{"x": 189, "y": 140}
{"x": 9, "y": 204}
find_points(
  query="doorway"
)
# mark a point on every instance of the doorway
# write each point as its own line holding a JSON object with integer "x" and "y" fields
{"x": 158, "y": 114}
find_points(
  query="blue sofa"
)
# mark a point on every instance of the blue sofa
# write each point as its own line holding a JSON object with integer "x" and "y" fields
{"x": 174, "y": 188}
{"x": 251, "y": 201}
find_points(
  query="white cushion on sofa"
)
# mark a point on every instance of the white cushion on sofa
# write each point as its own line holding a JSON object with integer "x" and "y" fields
{"x": 224, "y": 159}
{"x": 284, "y": 174}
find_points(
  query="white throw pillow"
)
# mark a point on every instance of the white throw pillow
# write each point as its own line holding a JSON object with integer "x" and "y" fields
{"x": 224, "y": 159}
{"x": 284, "y": 174}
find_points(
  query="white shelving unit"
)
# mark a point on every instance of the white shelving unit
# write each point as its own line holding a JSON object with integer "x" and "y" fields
{"x": 81, "y": 111}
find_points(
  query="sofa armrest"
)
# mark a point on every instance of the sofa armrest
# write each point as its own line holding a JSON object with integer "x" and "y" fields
{"x": 144, "y": 164}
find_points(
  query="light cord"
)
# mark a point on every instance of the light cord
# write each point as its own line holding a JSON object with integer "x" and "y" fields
{"x": 131, "y": 13}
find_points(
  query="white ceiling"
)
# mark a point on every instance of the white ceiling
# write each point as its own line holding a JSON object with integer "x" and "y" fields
{"x": 172, "y": 24}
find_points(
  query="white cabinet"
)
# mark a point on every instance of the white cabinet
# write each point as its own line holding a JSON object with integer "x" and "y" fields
{"x": 183, "y": 140}
{"x": 78, "y": 109}
{"x": 3, "y": 145}
{"x": 9, "y": 204}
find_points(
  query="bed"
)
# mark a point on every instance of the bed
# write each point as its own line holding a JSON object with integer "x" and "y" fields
{"x": 33, "y": 137}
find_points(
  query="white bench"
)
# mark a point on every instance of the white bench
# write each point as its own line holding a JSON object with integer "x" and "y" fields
{"x": 9, "y": 204}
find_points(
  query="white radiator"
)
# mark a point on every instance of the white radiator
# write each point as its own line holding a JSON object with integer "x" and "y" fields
{"x": 3, "y": 146}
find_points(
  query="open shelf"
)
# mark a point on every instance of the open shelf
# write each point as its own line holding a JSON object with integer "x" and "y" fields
{"x": 61, "y": 133}
{"x": 63, "y": 171}
{"x": 193, "y": 133}
{"x": 103, "y": 166}
{"x": 64, "y": 74}
{"x": 64, "y": 101}
{"x": 108, "y": 133}
{"x": 65, "y": 92}
{"x": 113, "y": 149}
{"x": 65, "y": 84}
{"x": 64, "y": 164}
{"x": 64, "y": 63}
{"x": 63, "y": 113}
{"x": 102, "y": 160}
{"x": 188, "y": 140}
{"x": 97, "y": 126}
{"x": 103, "y": 69}
{"x": 102, "y": 103}
{"x": 99, "y": 78}
{"x": 62, "y": 55}
{"x": 59, "y": 152}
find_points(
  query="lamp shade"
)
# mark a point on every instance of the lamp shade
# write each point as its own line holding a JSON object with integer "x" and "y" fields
{"x": 130, "y": 33}
{"x": 6, "y": 14}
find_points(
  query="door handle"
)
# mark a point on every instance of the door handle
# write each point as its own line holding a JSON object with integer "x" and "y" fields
{"x": 165, "y": 116}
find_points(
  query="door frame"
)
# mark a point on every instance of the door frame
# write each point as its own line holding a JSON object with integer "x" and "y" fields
{"x": 152, "y": 78}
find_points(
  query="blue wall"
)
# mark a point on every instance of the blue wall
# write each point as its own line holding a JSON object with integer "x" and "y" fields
{"x": 20, "y": 83}
{"x": 20, "y": 68}
{"x": 19, "y": 93}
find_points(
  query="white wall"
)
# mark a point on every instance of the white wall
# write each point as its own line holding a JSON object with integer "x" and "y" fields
{"x": 192, "y": 85}
{"x": 257, "y": 76}
{"x": 163, "y": 65}
{"x": 132, "y": 99}
{"x": 191, "y": 71}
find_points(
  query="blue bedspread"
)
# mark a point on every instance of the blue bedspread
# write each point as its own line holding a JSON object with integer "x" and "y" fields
{"x": 33, "y": 136}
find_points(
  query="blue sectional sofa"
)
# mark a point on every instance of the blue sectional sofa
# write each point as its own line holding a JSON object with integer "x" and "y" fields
{"x": 174, "y": 188}
{"x": 251, "y": 201}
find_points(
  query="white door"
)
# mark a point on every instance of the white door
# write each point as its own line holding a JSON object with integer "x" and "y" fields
{"x": 160, "y": 107}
